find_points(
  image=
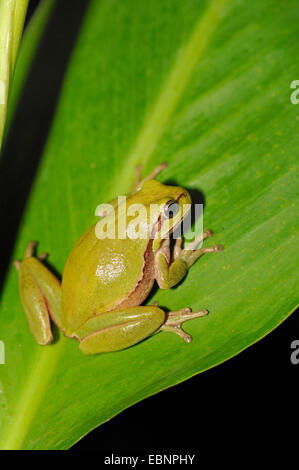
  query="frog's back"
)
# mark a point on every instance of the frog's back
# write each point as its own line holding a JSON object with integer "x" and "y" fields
{"x": 99, "y": 275}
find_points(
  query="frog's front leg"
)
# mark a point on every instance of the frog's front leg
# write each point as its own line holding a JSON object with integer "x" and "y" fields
{"x": 169, "y": 272}
{"x": 40, "y": 294}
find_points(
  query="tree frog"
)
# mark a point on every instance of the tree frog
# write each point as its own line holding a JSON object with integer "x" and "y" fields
{"x": 105, "y": 281}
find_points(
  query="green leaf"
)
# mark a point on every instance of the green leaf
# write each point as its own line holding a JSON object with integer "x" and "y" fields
{"x": 206, "y": 87}
{"x": 12, "y": 17}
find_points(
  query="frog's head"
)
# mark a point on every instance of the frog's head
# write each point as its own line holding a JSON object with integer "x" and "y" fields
{"x": 166, "y": 207}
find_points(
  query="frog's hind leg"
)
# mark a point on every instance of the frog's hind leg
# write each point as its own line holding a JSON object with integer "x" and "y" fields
{"x": 119, "y": 329}
{"x": 40, "y": 294}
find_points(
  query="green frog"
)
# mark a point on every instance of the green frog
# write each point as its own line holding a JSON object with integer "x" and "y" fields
{"x": 105, "y": 280}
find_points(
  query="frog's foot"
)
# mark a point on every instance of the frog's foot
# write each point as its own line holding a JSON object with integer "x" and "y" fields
{"x": 29, "y": 252}
{"x": 190, "y": 254}
{"x": 139, "y": 182}
{"x": 174, "y": 321}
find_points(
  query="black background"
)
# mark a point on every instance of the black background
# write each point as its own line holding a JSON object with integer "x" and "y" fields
{"x": 249, "y": 402}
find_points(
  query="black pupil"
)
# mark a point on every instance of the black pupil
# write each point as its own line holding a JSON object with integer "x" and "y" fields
{"x": 172, "y": 210}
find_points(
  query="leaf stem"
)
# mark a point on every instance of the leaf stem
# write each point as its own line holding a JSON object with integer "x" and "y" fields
{"x": 12, "y": 17}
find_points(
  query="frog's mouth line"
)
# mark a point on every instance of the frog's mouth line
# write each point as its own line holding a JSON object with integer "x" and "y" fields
{"x": 179, "y": 222}
{"x": 156, "y": 228}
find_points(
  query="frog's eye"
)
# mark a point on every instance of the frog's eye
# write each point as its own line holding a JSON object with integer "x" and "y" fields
{"x": 171, "y": 210}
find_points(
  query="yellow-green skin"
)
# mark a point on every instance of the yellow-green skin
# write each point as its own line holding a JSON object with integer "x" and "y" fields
{"x": 105, "y": 280}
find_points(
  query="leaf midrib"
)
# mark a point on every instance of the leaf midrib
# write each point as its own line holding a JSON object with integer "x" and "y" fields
{"x": 174, "y": 85}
